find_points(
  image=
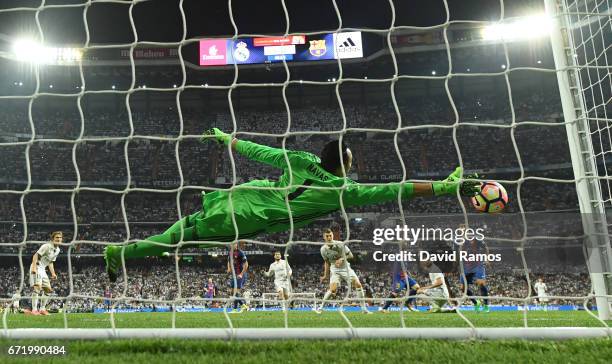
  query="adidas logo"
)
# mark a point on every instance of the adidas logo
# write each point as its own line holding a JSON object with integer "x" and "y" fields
{"x": 347, "y": 43}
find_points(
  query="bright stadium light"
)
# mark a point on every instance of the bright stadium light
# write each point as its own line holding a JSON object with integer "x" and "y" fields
{"x": 530, "y": 27}
{"x": 30, "y": 51}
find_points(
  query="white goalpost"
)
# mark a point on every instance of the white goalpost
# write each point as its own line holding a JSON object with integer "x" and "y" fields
{"x": 581, "y": 39}
{"x": 584, "y": 115}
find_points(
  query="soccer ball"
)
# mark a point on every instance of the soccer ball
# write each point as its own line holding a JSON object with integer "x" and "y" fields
{"x": 492, "y": 197}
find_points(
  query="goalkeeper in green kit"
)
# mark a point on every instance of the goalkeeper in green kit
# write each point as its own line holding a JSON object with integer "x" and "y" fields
{"x": 311, "y": 186}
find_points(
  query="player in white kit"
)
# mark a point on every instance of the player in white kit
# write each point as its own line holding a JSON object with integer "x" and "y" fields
{"x": 437, "y": 289}
{"x": 336, "y": 256}
{"x": 14, "y": 305}
{"x": 39, "y": 281}
{"x": 540, "y": 288}
{"x": 282, "y": 274}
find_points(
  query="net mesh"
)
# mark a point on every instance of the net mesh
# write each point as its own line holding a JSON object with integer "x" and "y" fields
{"x": 592, "y": 22}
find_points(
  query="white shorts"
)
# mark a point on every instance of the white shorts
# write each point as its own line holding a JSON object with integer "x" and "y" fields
{"x": 16, "y": 304}
{"x": 40, "y": 278}
{"x": 284, "y": 285}
{"x": 339, "y": 275}
{"x": 439, "y": 297}
{"x": 542, "y": 297}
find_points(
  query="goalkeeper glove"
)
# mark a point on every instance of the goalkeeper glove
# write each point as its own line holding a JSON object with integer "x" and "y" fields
{"x": 450, "y": 185}
{"x": 221, "y": 137}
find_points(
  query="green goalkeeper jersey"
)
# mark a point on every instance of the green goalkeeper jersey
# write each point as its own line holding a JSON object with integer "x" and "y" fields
{"x": 304, "y": 193}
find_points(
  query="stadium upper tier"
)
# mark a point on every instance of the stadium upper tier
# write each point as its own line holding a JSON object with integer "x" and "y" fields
{"x": 426, "y": 152}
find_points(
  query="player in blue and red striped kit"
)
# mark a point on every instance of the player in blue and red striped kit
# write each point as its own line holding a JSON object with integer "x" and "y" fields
{"x": 210, "y": 291}
{"x": 237, "y": 260}
{"x": 475, "y": 273}
{"x": 107, "y": 297}
{"x": 402, "y": 281}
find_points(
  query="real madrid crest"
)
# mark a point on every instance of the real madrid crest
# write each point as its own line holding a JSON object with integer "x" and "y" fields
{"x": 241, "y": 53}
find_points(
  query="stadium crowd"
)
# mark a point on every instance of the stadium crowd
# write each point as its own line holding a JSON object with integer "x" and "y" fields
{"x": 160, "y": 142}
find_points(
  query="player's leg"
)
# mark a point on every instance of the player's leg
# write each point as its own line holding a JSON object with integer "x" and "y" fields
{"x": 334, "y": 280}
{"x": 544, "y": 302}
{"x": 398, "y": 287}
{"x": 45, "y": 298}
{"x": 236, "y": 302}
{"x": 280, "y": 293}
{"x": 155, "y": 245}
{"x": 15, "y": 306}
{"x": 244, "y": 305}
{"x": 482, "y": 285}
{"x": 469, "y": 279}
{"x": 359, "y": 290}
{"x": 236, "y": 287}
{"x": 36, "y": 280}
{"x": 288, "y": 298}
{"x": 35, "y": 299}
{"x": 414, "y": 287}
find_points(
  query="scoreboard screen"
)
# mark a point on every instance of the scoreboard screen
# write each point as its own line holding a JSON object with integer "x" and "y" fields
{"x": 216, "y": 52}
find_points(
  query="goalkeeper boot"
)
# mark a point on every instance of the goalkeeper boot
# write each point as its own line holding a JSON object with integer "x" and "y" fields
{"x": 486, "y": 309}
{"x": 113, "y": 262}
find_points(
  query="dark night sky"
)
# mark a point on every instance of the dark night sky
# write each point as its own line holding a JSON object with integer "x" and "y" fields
{"x": 160, "y": 20}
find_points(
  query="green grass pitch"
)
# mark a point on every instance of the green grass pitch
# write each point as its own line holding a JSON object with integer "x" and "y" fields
{"x": 341, "y": 351}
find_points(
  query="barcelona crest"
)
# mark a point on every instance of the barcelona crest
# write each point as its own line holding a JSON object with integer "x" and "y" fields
{"x": 317, "y": 47}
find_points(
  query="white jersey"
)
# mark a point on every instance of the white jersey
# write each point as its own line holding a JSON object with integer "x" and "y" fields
{"x": 281, "y": 270}
{"x": 540, "y": 288}
{"x": 434, "y": 274}
{"x": 331, "y": 253}
{"x": 47, "y": 254}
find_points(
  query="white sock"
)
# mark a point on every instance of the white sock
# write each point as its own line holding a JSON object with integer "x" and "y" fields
{"x": 361, "y": 296}
{"x": 43, "y": 302}
{"x": 326, "y": 297}
{"x": 35, "y": 301}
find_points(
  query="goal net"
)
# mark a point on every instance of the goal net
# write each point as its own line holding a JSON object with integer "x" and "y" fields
{"x": 101, "y": 139}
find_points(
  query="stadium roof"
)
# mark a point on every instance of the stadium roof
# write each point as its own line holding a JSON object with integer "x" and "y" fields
{"x": 161, "y": 20}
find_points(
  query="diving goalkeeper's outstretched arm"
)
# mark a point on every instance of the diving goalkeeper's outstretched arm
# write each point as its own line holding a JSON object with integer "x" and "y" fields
{"x": 330, "y": 162}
